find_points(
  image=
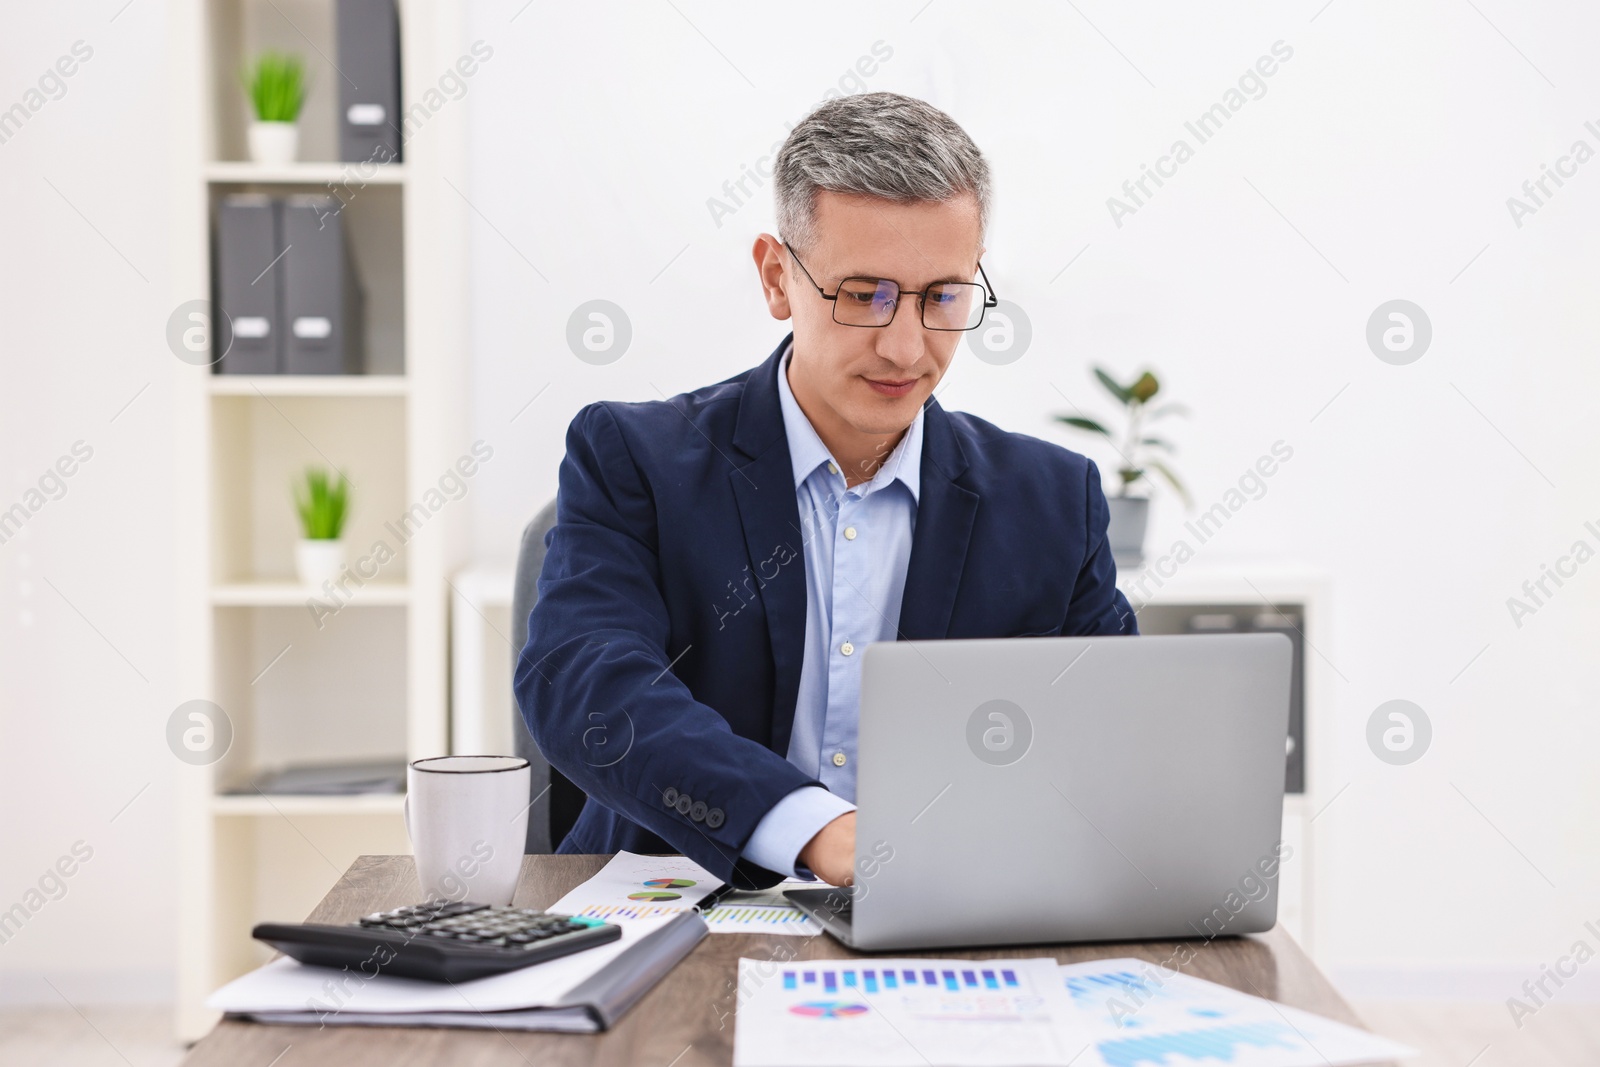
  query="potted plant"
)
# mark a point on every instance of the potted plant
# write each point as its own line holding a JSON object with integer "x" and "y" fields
{"x": 322, "y": 503}
{"x": 276, "y": 86}
{"x": 1139, "y": 454}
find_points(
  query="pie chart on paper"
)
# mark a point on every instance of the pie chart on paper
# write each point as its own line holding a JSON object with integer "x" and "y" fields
{"x": 655, "y": 895}
{"x": 827, "y": 1009}
{"x": 668, "y": 883}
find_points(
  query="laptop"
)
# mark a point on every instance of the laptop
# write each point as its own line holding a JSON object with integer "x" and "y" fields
{"x": 1064, "y": 790}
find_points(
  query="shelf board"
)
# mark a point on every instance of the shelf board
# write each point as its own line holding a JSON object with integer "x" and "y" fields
{"x": 323, "y": 173}
{"x": 332, "y": 385}
{"x": 293, "y": 594}
{"x": 258, "y": 805}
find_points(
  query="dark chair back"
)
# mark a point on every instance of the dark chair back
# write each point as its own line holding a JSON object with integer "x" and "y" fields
{"x": 556, "y": 801}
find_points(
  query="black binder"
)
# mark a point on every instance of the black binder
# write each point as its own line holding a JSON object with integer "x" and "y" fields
{"x": 322, "y": 299}
{"x": 247, "y": 286}
{"x": 369, "y": 87}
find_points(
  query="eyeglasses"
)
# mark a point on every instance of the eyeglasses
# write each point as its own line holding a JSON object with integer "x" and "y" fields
{"x": 872, "y": 302}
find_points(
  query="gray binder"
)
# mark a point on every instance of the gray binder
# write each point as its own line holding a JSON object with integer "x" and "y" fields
{"x": 369, "y": 87}
{"x": 322, "y": 300}
{"x": 594, "y": 1004}
{"x": 247, "y": 287}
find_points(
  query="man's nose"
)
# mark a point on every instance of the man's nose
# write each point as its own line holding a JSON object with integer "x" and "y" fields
{"x": 904, "y": 342}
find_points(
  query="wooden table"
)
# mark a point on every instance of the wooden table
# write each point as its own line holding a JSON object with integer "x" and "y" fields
{"x": 687, "y": 1020}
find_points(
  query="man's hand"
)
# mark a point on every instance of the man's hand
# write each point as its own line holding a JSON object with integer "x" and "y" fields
{"x": 831, "y": 854}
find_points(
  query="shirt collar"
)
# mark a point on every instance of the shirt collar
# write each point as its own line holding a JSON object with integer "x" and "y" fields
{"x": 807, "y": 452}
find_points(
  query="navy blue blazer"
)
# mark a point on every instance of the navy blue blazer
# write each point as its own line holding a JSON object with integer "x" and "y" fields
{"x": 664, "y": 651}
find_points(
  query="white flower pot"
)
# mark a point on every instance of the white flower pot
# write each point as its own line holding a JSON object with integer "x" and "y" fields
{"x": 274, "y": 144}
{"x": 318, "y": 561}
{"x": 1129, "y": 517}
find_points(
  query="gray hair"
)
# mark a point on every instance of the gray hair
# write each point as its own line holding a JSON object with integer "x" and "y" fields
{"x": 875, "y": 144}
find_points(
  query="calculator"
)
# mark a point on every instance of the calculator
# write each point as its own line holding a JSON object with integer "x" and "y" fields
{"x": 440, "y": 941}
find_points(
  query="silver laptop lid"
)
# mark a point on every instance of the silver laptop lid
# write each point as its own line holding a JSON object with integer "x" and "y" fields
{"x": 1069, "y": 789}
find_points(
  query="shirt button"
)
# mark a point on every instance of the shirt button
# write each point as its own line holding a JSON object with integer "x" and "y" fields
{"x": 832, "y": 469}
{"x": 847, "y": 648}
{"x": 849, "y": 533}
{"x": 838, "y": 759}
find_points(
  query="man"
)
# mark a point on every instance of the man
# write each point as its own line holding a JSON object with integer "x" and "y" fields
{"x": 721, "y": 558}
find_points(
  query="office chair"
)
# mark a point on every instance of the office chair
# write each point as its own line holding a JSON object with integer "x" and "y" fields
{"x": 558, "y": 800}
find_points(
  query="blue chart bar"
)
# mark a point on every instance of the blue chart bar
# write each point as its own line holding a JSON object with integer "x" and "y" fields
{"x": 1117, "y": 981}
{"x": 874, "y": 980}
{"x": 1218, "y": 1044}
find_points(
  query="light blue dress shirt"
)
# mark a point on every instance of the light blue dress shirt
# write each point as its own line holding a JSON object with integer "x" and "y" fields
{"x": 857, "y": 545}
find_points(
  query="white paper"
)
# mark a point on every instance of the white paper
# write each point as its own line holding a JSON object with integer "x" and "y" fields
{"x": 632, "y": 887}
{"x": 557, "y": 1020}
{"x": 1132, "y": 1012}
{"x": 622, "y": 890}
{"x": 763, "y": 911}
{"x": 858, "y": 1012}
{"x": 286, "y": 985}
{"x": 1000, "y": 1012}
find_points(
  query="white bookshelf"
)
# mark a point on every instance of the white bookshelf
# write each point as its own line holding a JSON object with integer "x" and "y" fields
{"x": 234, "y": 172}
{"x": 346, "y": 385}
{"x": 371, "y": 681}
{"x": 293, "y": 594}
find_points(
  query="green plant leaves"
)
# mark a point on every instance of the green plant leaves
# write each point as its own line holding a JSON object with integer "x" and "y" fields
{"x": 1084, "y": 424}
{"x": 322, "y": 503}
{"x": 276, "y": 86}
{"x": 1135, "y": 450}
{"x": 1122, "y": 394}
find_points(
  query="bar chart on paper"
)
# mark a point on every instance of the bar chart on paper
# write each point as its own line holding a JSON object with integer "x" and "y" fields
{"x": 760, "y": 919}
{"x": 763, "y": 911}
{"x": 911, "y": 1012}
{"x": 1135, "y": 1014}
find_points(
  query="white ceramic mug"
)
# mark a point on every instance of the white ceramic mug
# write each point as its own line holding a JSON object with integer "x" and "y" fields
{"x": 467, "y": 817}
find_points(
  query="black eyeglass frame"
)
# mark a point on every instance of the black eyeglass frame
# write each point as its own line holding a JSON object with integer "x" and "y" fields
{"x": 990, "y": 298}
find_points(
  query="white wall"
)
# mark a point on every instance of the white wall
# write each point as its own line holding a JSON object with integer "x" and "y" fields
{"x": 1389, "y": 143}
{"x": 1390, "y": 140}
{"x": 85, "y": 656}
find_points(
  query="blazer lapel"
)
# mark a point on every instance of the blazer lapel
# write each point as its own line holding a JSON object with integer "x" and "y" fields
{"x": 945, "y": 513}
{"x": 770, "y": 514}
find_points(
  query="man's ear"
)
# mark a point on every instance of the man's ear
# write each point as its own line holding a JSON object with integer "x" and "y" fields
{"x": 771, "y": 259}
